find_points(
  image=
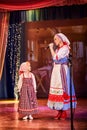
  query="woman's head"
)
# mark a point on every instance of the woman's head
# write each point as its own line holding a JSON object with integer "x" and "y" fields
{"x": 24, "y": 67}
{"x": 60, "y": 39}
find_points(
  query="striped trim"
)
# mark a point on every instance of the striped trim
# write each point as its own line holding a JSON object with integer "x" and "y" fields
{"x": 20, "y": 109}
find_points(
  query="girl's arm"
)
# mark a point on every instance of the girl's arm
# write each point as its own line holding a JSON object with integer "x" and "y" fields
{"x": 20, "y": 82}
{"x": 34, "y": 82}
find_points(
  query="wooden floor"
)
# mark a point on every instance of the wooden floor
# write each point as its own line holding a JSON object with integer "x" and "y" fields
{"x": 44, "y": 120}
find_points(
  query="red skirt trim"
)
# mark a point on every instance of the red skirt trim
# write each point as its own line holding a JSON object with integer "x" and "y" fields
{"x": 56, "y": 98}
{"x": 61, "y": 98}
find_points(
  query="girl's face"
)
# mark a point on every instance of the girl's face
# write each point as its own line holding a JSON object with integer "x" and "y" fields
{"x": 57, "y": 40}
{"x": 28, "y": 66}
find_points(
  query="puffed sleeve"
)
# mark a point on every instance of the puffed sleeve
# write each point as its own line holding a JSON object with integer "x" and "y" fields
{"x": 34, "y": 82}
{"x": 20, "y": 81}
{"x": 61, "y": 53}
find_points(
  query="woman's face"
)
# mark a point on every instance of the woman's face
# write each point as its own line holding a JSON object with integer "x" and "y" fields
{"x": 57, "y": 40}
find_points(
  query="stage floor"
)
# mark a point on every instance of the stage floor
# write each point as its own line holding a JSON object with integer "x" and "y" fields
{"x": 44, "y": 120}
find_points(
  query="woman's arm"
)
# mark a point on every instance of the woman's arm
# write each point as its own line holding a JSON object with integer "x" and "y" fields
{"x": 51, "y": 49}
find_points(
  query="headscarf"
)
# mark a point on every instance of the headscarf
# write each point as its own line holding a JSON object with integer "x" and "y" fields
{"x": 63, "y": 38}
{"x": 23, "y": 67}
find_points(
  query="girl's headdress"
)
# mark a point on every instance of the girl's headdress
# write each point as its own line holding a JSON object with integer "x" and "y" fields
{"x": 23, "y": 67}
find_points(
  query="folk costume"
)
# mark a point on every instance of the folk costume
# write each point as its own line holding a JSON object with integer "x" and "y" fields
{"x": 59, "y": 93}
{"x": 27, "y": 87}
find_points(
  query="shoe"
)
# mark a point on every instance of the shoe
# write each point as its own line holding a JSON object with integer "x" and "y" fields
{"x": 25, "y": 118}
{"x": 58, "y": 115}
{"x": 63, "y": 115}
{"x": 30, "y": 117}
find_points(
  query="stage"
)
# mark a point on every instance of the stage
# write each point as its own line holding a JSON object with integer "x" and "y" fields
{"x": 44, "y": 120}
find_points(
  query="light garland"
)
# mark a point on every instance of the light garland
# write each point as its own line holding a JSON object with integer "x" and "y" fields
{"x": 14, "y": 48}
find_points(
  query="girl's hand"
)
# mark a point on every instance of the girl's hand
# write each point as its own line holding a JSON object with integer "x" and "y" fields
{"x": 35, "y": 91}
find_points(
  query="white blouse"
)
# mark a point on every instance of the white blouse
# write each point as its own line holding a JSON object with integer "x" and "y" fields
{"x": 61, "y": 52}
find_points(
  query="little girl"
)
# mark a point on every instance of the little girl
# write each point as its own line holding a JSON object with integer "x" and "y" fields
{"x": 27, "y": 90}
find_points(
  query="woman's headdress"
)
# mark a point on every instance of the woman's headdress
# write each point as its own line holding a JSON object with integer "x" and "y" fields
{"x": 63, "y": 38}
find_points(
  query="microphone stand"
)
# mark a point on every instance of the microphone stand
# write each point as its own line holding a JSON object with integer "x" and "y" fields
{"x": 71, "y": 112}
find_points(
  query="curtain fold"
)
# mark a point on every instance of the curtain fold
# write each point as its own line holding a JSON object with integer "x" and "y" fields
{"x": 34, "y": 4}
{"x": 4, "y": 21}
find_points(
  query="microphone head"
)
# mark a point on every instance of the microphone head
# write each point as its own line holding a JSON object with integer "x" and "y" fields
{"x": 54, "y": 47}
{"x": 46, "y": 48}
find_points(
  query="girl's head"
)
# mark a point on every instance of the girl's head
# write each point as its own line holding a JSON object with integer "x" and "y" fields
{"x": 60, "y": 39}
{"x": 24, "y": 67}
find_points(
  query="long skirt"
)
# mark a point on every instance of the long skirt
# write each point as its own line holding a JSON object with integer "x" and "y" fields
{"x": 60, "y": 86}
{"x": 27, "y": 101}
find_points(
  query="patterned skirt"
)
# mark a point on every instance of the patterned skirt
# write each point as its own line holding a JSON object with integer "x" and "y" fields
{"x": 28, "y": 100}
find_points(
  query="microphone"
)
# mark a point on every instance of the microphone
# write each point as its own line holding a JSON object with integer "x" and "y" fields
{"x": 46, "y": 48}
{"x": 54, "y": 47}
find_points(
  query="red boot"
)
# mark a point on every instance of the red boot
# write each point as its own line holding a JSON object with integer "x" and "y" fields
{"x": 63, "y": 115}
{"x": 58, "y": 115}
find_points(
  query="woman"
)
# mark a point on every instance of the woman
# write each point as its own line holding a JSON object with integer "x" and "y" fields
{"x": 27, "y": 88}
{"x": 59, "y": 93}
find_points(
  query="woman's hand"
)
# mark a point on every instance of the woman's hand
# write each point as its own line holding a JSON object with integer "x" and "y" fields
{"x": 51, "y": 45}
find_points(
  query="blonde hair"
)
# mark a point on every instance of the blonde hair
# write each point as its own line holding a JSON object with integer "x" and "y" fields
{"x": 23, "y": 67}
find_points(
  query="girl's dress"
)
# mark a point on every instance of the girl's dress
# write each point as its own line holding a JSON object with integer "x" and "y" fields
{"x": 59, "y": 93}
{"x": 27, "y": 100}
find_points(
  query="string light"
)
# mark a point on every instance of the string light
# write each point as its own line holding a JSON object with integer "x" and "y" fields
{"x": 13, "y": 53}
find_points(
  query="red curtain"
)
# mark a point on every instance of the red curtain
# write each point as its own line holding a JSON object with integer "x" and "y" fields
{"x": 34, "y": 4}
{"x": 4, "y": 22}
